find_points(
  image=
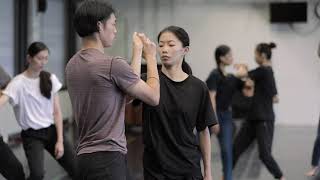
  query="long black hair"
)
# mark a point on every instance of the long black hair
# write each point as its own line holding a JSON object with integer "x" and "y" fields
{"x": 266, "y": 48}
{"x": 220, "y": 51}
{"x": 183, "y": 36}
{"x": 45, "y": 81}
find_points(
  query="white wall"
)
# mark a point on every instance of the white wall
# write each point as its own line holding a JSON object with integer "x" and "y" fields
{"x": 242, "y": 26}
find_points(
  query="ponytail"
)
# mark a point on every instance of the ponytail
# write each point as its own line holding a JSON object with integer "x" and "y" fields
{"x": 186, "y": 68}
{"x": 45, "y": 84}
{"x": 45, "y": 81}
{"x": 266, "y": 48}
{"x": 272, "y": 45}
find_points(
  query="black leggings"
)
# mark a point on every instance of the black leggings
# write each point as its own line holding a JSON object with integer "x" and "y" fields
{"x": 34, "y": 143}
{"x": 10, "y": 166}
{"x": 316, "y": 148}
{"x": 260, "y": 131}
{"x": 148, "y": 176}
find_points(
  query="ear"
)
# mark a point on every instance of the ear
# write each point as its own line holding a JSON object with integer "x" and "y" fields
{"x": 99, "y": 25}
{"x": 186, "y": 50}
{"x": 264, "y": 55}
{"x": 29, "y": 58}
{"x": 222, "y": 59}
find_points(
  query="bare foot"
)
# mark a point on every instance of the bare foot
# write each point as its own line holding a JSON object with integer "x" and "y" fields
{"x": 282, "y": 178}
{"x": 312, "y": 172}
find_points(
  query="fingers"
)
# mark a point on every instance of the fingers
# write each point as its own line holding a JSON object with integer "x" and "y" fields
{"x": 144, "y": 38}
{"x": 239, "y": 66}
{"x": 148, "y": 47}
{"x": 59, "y": 153}
{"x": 135, "y": 36}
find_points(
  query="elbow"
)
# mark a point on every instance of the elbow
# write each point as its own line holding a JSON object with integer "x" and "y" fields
{"x": 57, "y": 116}
{"x": 155, "y": 100}
{"x": 215, "y": 129}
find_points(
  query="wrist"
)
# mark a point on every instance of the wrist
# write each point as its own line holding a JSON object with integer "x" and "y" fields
{"x": 60, "y": 140}
{"x": 137, "y": 51}
{"x": 207, "y": 173}
{"x": 207, "y": 170}
{"x": 151, "y": 59}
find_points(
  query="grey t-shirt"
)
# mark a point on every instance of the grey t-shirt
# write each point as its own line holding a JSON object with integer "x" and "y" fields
{"x": 4, "y": 78}
{"x": 97, "y": 86}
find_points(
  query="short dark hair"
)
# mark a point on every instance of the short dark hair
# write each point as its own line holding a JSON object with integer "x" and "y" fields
{"x": 221, "y": 50}
{"x": 88, "y": 14}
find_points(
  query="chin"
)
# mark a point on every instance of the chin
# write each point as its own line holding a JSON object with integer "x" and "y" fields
{"x": 165, "y": 62}
{"x": 107, "y": 45}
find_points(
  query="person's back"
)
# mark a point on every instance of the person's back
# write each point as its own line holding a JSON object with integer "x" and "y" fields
{"x": 4, "y": 78}
{"x": 96, "y": 84}
{"x": 262, "y": 102}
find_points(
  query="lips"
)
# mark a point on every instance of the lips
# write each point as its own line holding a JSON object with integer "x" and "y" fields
{"x": 165, "y": 57}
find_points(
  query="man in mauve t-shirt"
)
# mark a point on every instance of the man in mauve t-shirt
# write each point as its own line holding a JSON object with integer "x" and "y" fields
{"x": 99, "y": 85}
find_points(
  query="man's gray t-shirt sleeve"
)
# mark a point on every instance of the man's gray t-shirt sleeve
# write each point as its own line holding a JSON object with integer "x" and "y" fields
{"x": 4, "y": 78}
{"x": 122, "y": 74}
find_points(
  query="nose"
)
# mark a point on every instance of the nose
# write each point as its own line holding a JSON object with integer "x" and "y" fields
{"x": 44, "y": 62}
{"x": 164, "y": 49}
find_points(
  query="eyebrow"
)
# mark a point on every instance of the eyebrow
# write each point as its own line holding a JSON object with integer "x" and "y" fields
{"x": 42, "y": 55}
{"x": 166, "y": 41}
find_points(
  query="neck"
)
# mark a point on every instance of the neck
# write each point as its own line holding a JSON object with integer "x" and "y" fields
{"x": 175, "y": 73}
{"x": 92, "y": 42}
{"x": 32, "y": 74}
{"x": 222, "y": 68}
{"x": 266, "y": 63}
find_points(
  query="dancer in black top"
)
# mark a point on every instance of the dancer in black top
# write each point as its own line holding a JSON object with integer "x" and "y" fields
{"x": 316, "y": 147}
{"x": 222, "y": 86}
{"x": 172, "y": 149}
{"x": 261, "y": 112}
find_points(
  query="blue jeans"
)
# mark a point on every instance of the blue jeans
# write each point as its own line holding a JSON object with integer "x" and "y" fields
{"x": 225, "y": 140}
